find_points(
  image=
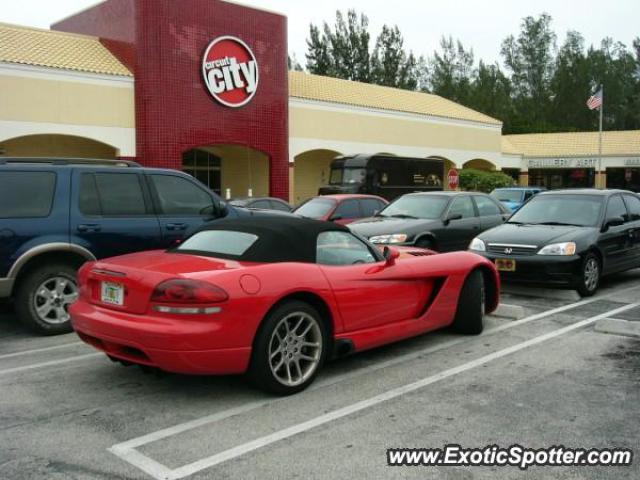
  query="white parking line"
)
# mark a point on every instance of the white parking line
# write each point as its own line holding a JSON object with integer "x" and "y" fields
{"x": 51, "y": 363}
{"x": 158, "y": 471}
{"x": 215, "y": 417}
{"x": 38, "y": 350}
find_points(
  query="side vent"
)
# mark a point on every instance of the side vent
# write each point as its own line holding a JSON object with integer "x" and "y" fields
{"x": 418, "y": 253}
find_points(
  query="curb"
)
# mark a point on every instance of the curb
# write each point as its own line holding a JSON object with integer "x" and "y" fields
{"x": 513, "y": 312}
{"x": 557, "y": 294}
{"x": 616, "y": 326}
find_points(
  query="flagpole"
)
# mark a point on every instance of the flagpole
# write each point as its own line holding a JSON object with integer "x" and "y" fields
{"x": 600, "y": 176}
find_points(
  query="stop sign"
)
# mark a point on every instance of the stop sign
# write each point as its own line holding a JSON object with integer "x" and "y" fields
{"x": 453, "y": 178}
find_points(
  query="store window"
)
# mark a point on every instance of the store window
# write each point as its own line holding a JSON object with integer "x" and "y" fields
{"x": 624, "y": 178}
{"x": 552, "y": 178}
{"x": 204, "y": 166}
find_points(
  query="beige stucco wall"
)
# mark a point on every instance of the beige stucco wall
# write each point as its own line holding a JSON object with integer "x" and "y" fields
{"x": 242, "y": 168}
{"x": 312, "y": 170}
{"x": 355, "y": 126}
{"x": 57, "y": 146}
{"x": 53, "y": 100}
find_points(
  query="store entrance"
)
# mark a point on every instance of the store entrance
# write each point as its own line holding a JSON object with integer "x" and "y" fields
{"x": 624, "y": 178}
{"x": 204, "y": 166}
{"x": 551, "y": 178}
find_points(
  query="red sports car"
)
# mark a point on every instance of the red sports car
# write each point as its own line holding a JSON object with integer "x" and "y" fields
{"x": 274, "y": 297}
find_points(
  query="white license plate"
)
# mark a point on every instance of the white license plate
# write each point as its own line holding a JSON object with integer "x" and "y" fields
{"x": 112, "y": 293}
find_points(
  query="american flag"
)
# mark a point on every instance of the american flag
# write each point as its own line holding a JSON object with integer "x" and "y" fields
{"x": 595, "y": 100}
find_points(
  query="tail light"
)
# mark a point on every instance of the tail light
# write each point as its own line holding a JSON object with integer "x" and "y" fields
{"x": 184, "y": 295}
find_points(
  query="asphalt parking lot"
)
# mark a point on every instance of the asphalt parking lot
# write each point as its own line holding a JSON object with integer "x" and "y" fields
{"x": 67, "y": 412}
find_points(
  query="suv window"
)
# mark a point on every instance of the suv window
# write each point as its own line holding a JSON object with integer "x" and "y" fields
{"x": 633, "y": 204}
{"x": 111, "y": 194}
{"x": 370, "y": 206}
{"x": 463, "y": 206}
{"x": 348, "y": 209}
{"x": 26, "y": 194}
{"x": 616, "y": 208}
{"x": 342, "y": 248}
{"x": 179, "y": 196}
{"x": 486, "y": 206}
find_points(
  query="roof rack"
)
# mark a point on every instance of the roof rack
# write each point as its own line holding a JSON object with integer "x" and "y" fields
{"x": 70, "y": 161}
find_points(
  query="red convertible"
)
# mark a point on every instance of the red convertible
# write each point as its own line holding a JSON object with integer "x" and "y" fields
{"x": 274, "y": 297}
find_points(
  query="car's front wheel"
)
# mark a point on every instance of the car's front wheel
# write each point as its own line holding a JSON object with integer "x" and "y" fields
{"x": 289, "y": 349}
{"x": 44, "y": 296}
{"x": 590, "y": 275}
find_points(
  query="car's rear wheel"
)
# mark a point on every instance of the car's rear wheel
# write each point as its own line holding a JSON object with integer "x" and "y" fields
{"x": 469, "y": 317}
{"x": 589, "y": 275}
{"x": 44, "y": 296}
{"x": 289, "y": 349}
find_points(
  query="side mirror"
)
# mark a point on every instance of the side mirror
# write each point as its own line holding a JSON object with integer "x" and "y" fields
{"x": 452, "y": 216}
{"x": 612, "y": 222}
{"x": 333, "y": 218}
{"x": 390, "y": 255}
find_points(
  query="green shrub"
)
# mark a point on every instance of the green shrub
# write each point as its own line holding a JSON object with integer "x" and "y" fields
{"x": 483, "y": 180}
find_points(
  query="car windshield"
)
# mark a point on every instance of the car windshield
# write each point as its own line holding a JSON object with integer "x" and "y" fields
{"x": 416, "y": 206}
{"x": 580, "y": 210}
{"x": 315, "y": 208}
{"x": 341, "y": 176}
{"x": 225, "y": 242}
{"x": 514, "y": 196}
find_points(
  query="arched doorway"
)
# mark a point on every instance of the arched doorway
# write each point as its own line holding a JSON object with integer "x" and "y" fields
{"x": 56, "y": 145}
{"x": 236, "y": 170}
{"x": 479, "y": 164}
{"x": 311, "y": 171}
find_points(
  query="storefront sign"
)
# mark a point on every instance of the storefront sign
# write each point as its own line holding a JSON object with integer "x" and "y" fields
{"x": 563, "y": 163}
{"x": 230, "y": 71}
{"x": 632, "y": 162}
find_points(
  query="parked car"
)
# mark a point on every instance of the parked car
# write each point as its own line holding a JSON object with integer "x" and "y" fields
{"x": 387, "y": 176}
{"x": 513, "y": 198}
{"x": 55, "y": 214}
{"x": 442, "y": 221}
{"x": 568, "y": 238}
{"x": 265, "y": 203}
{"x": 274, "y": 297}
{"x": 341, "y": 209}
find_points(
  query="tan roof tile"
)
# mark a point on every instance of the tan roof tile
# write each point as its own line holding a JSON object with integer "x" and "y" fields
{"x": 572, "y": 144}
{"x": 327, "y": 89}
{"x": 46, "y": 48}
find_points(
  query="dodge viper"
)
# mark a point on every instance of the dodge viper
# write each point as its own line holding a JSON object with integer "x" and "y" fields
{"x": 274, "y": 297}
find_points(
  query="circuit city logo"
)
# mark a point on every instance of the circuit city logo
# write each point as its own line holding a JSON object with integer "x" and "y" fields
{"x": 230, "y": 71}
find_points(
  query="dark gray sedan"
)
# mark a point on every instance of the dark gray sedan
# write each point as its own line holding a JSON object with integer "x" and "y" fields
{"x": 442, "y": 221}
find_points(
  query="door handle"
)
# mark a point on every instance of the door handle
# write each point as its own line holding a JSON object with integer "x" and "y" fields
{"x": 176, "y": 226}
{"x": 89, "y": 227}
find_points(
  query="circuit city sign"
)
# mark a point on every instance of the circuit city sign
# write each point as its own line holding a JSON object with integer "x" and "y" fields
{"x": 230, "y": 71}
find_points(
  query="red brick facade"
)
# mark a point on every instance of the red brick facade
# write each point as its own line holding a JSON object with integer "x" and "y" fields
{"x": 162, "y": 42}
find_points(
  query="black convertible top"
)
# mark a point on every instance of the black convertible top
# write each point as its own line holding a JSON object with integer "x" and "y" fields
{"x": 281, "y": 238}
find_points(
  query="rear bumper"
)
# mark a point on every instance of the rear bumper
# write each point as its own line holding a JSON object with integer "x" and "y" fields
{"x": 174, "y": 345}
{"x": 541, "y": 270}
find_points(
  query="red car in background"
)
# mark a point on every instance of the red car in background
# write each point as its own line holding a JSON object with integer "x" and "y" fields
{"x": 274, "y": 297}
{"x": 341, "y": 208}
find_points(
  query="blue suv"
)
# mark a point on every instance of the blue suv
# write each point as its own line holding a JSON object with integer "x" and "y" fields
{"x": 55, "y": 214}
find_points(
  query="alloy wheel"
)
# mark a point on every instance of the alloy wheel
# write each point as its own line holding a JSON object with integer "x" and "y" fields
{"x": 295, "y": 348}
{"x": 52, "y": 299}
{"x": 591, "y": 274}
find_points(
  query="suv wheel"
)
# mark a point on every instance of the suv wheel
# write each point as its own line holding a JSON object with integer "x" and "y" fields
{"x": 44, "y": 296}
